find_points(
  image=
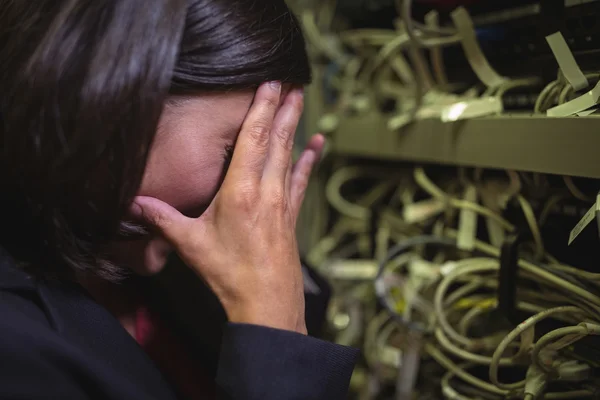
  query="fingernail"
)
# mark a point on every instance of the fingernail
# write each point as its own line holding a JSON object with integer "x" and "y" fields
{"x": 275, "y": 85}
{"x": 136, "y": 210}
{"x": 323, "y": 149}
{"x": 311, "y": 157}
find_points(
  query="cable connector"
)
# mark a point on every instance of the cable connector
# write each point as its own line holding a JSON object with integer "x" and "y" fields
{"x": 535, "y": 382}
{"x": 573, "y": 371}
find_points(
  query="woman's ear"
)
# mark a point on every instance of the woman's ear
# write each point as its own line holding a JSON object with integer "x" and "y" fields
{"x": 145, "y": 256}
{"x": 138, "y": 247}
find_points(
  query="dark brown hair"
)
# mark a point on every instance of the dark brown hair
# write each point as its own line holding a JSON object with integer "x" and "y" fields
{"x": 82, "y": 86}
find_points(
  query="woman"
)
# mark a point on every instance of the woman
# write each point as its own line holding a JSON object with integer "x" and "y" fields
{"x": 119, "y": 119}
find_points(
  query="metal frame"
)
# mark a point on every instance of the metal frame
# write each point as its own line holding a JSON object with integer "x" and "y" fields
{"x": 562, "y": 146}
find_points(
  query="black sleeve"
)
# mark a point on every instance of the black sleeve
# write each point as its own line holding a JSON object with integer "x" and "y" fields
{"x": 260, "y": 363}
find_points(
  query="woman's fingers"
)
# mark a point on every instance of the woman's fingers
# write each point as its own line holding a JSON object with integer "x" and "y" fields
{"x": 302, "y": 170}
{"x": 282, "y": 138}
{"x": 252, "y": 146}
{"x": 170, "y": 223}
{"x": 285, "y": 90}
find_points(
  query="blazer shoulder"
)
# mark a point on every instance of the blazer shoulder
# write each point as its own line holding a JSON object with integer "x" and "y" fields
{"x": 32, "y": 364}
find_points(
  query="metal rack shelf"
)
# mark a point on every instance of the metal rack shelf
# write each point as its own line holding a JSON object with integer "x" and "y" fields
{"x": 562, "y": 146}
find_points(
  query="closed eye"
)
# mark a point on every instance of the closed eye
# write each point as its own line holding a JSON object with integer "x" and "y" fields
{"x": 227, "y": 157}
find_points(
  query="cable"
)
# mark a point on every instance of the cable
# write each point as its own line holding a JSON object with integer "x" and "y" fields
{"x": 424, "y": 82}
{"x": 320, "y": 252}
{"x": 376, "y": 37}
{"x": 570, "y": 333}
{"x": 428, "y": 186}
{"x": 514, "y": 187}
{"x": 533, "y": 227}
{"x": 349, "y": 82}
{"x": 380, "y": 287}
{"x": 354, "y": 330}
{"x": 461, "y": 268}
{"x": 593, "y": 277}
{"x": 574, "y": 190}
{"x": 564, "y": 94}
{"x": 435, "y": 30}
{"x": 495, "y": 360}
{"x": 568, "y": 89}
{"x": 324, "y": 45}
{"x": 390, "y": 44}
{"x": 477, "y": 59}
{"x": 513, "y": 84}
{"x": 446, "y": 328}
{"x": 473, "y": 285}
{"x": 590, "y": 299}
{"x": 411, "y": 360}
{"x": 448, "y": 391}
{"x": 552, "y": 201}
{"x": 540, "y": 251}
{"x": 406, "y": 10}
{"x": 518, "y": 331}
{"x": 381, "y": 37}
{"x": 344, "y": 175}
{"x": 326, "y": 13}
{"x": 437, "y": 56}
{"x": 445, "y": 362}
{"x": 548, "y": 91}
{"x": 374, "y": 326}
{"x": 466, "y": 355}
{"x": 466, "y": 321}
{"x": 470, "y": 289}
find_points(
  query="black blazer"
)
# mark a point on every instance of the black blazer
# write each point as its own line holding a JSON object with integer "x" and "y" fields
{"x": 56, "y": 342}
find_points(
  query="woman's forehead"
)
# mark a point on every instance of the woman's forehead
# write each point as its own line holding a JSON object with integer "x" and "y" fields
{"x": 215, "y": 114}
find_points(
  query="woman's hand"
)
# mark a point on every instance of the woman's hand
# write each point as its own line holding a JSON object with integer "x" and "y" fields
{"x": 244, "y": 245}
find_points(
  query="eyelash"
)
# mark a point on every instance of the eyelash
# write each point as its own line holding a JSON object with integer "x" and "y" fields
{"x": 228, "y": 154}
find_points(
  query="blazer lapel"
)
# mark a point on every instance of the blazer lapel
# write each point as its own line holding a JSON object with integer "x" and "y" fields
{"x": 89, "y": 328}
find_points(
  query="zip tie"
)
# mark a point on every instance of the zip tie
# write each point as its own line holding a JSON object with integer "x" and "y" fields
{"x": 472, "y": 109}
{"x": 586, "y": 113}
{"x": 591, "y": 215}
{"x": 468, "y": 109}
{"x": 577, "y": 105}
{"x": 482, "y": 68}
{"x": 566, "y": 61}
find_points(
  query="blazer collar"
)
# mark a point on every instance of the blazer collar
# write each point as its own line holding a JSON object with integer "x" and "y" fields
{"x": 90, "y": 328}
